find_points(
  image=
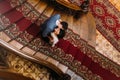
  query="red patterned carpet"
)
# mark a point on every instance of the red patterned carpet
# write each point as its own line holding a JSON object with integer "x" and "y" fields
{"x": 22, "y": 24}
{"x": 107, "y": 21}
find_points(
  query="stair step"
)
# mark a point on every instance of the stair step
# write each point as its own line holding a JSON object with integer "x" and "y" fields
{"x": 70, "y": 21}
{"x": 33, "y": 29}
{"x": 24, "y": 38}
{"x": 91, "y": 30}
{"x": 5, "y": 7}
{"x": 62, "y": 67}
{"x": 37, "y": 42}
{"x": 49, "y": 10}
{"x": 70, "y": 72}
{"x": 76, "y": 77}
{"x": 16, "y": 44}
{"x": 33, "y": 16}
{"x": 79, "y": 56}
{"x": 25, "y": 8}
{"x": 41, "y": 19}
{"x": 53, "y": 61}
{"x": 14, "y": 16}
{"x": 41, "y": 7}
{"x": 27, "y": 37}
{"x": 40, "y": 56}
{"x": 19, "y": 28}
{"x": 64, "y": 16}
{"x": 84, "y": 28}
{"x": 72, "y": 50}
{"x": 12, "y": 31}
{"x": 56, "y": 12}
{"x": 76, "y": 26}
{"x": 86, "y": 61}
{"x": 23, "y": 24}
{"x": 28, "y": 51}
{"x": 4, "y": 23}
{"x": 33, "y": 2}
{"x": 4, "y": 37}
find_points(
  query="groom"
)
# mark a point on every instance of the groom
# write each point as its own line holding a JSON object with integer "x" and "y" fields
{"x": 53, "y": 29}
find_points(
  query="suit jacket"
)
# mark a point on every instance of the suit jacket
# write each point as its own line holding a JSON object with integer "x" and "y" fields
{"x": 49, "y": 25}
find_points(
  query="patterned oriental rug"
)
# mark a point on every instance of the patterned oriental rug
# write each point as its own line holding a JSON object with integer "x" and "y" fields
{"x": 107, "y": 19}
{"x": 21, "y": 23}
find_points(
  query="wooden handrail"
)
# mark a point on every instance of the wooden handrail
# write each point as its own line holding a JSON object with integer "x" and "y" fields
{"x": 68, "y": 4}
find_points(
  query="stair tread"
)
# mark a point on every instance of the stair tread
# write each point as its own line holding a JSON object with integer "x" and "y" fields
{"x": 23, "y": 26}
{"x": 34, "y": 29}
{"x": 33, "y": 2}
{"x": 16, "y": 44}
{"x": 4, "y": 36}
{"x": 70, "y": 21}
{"x": 5, "y": 7}
{"x": 28, "y": 51}
{"x": 48, "y": 12}
{"x": 14, "y": 15}
{"x": 53, "y": 61}
{"x": 40, "y": 56}
{"x": 41, "y": 6}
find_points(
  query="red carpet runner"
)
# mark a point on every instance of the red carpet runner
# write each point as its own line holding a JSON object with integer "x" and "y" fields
{"x": 86, "y": 61}
{"x": 26, "y": 28}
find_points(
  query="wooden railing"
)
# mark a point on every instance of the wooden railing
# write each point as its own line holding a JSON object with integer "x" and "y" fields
{"x": 68, "y": 4}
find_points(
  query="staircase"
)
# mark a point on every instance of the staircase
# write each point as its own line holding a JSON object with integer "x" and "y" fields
{"x": 74, "y": 55}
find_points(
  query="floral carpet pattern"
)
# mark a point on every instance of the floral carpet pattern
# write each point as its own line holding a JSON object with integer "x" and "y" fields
{"x": 106, "y": 49}
{"x": 72, "y": 51}
{"x": 107, "y": 21}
